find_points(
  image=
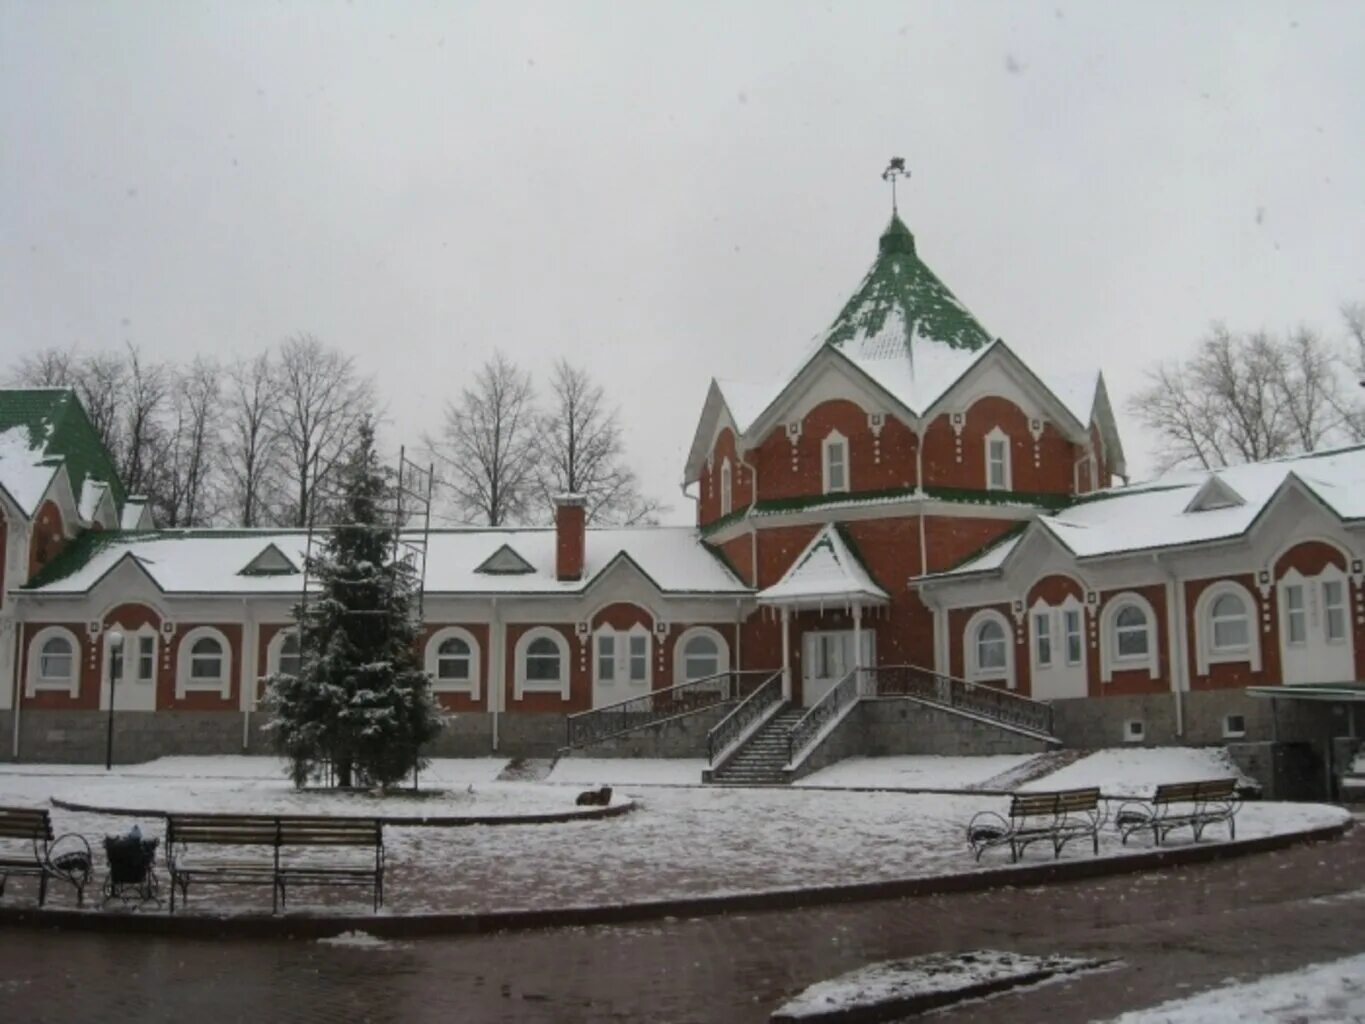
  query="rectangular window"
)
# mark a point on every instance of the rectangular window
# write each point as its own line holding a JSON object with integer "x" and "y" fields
{"x": 1334, "y": 606}
{"x": 146, "y": 658}
{"x": 606, "y": 659}
{"x": 1072, "y": 621}
{"x": 1134, "y": 731}
{"x": 54, "y": 666}
{"x": 1042, "y": 638}
{"x": 997, "y": 453}
{"x": 639, "y": 659}
{"x": 1234, "y": 726}
{"x": 1296, "y": 618}
{"x": 836, "y": 466}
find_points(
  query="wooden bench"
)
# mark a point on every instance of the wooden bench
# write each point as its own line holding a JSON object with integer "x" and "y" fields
{"x": 1193, "y": 805}
{"x": 30, "y": 849}
{"x": 1056, "y": 818}
{"x": 285, "y": 853}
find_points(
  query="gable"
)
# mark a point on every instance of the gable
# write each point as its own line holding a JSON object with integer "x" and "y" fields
{"x": 1001, "y": 373}
{"x": 505, "y": 562}
{"x": 270, "y": 561}
{"x": 1216, "y": 493}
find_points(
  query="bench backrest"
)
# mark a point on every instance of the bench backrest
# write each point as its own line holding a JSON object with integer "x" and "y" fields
{"x": 1194, "y": 792}
{"x": 25, "y": 823}
{"x": 293, "y": 830}
{"x": 1078, "y": 800}
{"x": 1073, "y": 801}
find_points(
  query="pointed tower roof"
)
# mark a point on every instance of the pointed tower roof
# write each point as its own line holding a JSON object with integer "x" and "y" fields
{"x": 901, "y": 304}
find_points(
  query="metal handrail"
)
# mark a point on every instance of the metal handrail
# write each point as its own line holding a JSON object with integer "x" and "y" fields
{"x": 829, "y": 707}
{"x": 633, "y": 713}
{"x": 949, "y": 691}
{"x": 746, "y": 712}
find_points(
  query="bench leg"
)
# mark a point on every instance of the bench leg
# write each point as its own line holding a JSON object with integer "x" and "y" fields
{"x": 42, "y": 888}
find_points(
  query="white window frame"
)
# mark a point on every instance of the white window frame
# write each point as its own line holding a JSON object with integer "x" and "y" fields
{"x": 620, "y": 659}
{"x": 1110, "y": 662}
{"x": 521, "y": 685}
{"x": 1229, "y": 733}
{"x": 1206, "y": 653}
{"x": 1331, "y": 574}
{"x": 1072, "y": 607}
{"x": 834, "y": 440}
{"x": 275, "y": 650}
{"x": 994, "y": 436}
{"x": 1293, "y": 578}
{"x": 977, "y": 674}
{"x": 35, "y": 683}
{"x": 680, "y": 651}
{"x": 1129, "y": 736}
{"x": 184, "y": 684}
{"x": 726, "y": 487}
{"x": 1042, "y": 614}
{"x": 128, "y": 656}
{"x": 432, "y": 662}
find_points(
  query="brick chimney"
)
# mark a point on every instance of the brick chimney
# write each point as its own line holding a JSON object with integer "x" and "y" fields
{"x": 570, "y": 535}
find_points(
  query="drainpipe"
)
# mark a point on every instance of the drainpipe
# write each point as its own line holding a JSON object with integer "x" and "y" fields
{"x": 748, "y": 513}
{"x": 919, "y": 487}
{"x": 496, "y": 646}
{"x": 20, "y": 627}
{"x": 738, "y": 663}
{"x": 247, "y": 675}
{"x": 1175, "y": 622}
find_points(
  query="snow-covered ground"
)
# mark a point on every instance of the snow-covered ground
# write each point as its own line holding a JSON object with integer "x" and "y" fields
{"x": 915, "y": 772}
{"x": 678, "y": 842}
{"x": 1137, "y": 771}
{"x": 1322, "y": 994}
{"x": 639, "y": 771}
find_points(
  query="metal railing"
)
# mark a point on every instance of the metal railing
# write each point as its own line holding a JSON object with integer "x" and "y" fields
{"x": 624, "y": 716}
{"x": 827, "y": 709}
{"x": 749, "y": 710}
{"x": 986, "y": 701}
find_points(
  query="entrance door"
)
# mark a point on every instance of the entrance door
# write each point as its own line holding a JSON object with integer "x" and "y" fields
{"x": 622, "y": 667}
{"x": 827, "y": 656}
{"x": 1057, "y": 650}
{"x": 1315, "y": 627}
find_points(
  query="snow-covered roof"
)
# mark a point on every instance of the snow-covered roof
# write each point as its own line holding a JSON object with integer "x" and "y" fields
{"x": 25, "y": 472}
{"x": 827, "y": 572}
{"x": 1164, "y": 513}
{"x": 211, "y": 561}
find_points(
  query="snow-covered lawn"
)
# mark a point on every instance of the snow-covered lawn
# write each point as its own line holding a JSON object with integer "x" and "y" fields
{"x": 915, "y": 772}
{"x": 1137, "y": 771}
{"x": 1321, "y": 994}
{"x": 646, "y": 771}
{"x": 678, "y": 842}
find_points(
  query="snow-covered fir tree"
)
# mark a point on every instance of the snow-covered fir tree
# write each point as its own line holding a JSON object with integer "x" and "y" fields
{"x": 360, "y": 700}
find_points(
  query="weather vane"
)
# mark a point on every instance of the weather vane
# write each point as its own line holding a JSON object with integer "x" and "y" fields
{"x": 895, "y": 169}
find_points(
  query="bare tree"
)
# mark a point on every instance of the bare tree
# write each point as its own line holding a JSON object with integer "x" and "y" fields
{"x": 488, "y": 450}
{"x": 1353, "y": 410}
{"x": 582, "y": 452}
{"x": 1243, "y": 398}
{"x": 46, "y": 368}
{"x": 147, "y": 388}
{"x": 321, "y": 404}
{"x": 252, "y": 439}
{"x": 185, "y": 484}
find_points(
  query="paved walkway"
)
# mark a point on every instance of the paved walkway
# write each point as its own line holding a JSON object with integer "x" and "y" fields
{"x": 1177, "y": 932}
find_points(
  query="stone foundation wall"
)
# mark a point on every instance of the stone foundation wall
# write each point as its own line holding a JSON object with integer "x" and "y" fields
{"x": 79, "y": 737}
{"x": 1100, "y": 722}
{"x": 684, "y": 736}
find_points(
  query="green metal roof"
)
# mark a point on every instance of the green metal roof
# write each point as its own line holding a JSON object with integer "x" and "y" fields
{"x": 56, "y": 422}
{"x": 899, "y": 281}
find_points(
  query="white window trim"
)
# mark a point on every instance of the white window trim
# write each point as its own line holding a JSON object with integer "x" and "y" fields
{"x": 621, "y": 657}
{"x": 128, "y": 653}
{"x": 974, "y": 672}
{"x": 680, "y": 651}
{"x": 1046, "y": 613}
{"x": 432, "y": 658}
{"x": 1291, "y": 579}
{"x": 1110, "y": 662}
{"x": 1129, "y": 736}
{"x": 33, "y": 684}
{"x": 726, "y": 487}
{"x": 1071, "y": 604}
{"x": 1330, "y": 573}
{"x": 184, "y": 684}
{"x": 275, "y": 648}
{"x": 521, "y": 685}
{"x": 996, "y": 434}
{"x": 1205, "y": 652}
{"x": 1229, "y": 733}
{"x": 832, "y": 440}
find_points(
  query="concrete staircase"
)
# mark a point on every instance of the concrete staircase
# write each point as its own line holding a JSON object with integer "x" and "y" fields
{"x": 761, "y": 760}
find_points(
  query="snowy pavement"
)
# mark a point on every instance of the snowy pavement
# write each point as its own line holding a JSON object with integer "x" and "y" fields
{"x": 679, "y": 841}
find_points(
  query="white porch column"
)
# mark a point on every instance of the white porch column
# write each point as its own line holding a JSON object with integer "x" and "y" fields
{"x": 858, "y": 644}
{"x": 786, "y": 655}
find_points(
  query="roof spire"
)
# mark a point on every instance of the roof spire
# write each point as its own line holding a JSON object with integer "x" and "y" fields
{"x": 895, "y": 169}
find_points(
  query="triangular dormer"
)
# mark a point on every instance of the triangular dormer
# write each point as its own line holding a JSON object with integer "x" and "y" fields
{"x": 1215, "y": 493}
{"x": 271, "y": 561}
{"x": 505, "y": 562}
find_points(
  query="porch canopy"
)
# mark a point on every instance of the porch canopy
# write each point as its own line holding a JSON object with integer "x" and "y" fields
{"x": 828, "y": 574}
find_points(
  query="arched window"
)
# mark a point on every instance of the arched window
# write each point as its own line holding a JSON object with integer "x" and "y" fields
{"x": 836, "y": 463}
{"x": 205, "y": 663}
{"x": 997, "y": 460}
{"x": 1225, "y": 626}
{"x": 542, "y": 663}
{"x": 700, "y": 653}
{"x": 54, "y": 662}
{"x": 989, "y": 648}
{"x": 1128, "y": 627}
{"x": 726, "y": 488}
{"x": 452, "y": 661}
{"x": 291, "y": 655}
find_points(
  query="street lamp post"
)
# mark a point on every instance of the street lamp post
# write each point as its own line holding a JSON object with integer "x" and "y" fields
{"x": 115, "y": 641}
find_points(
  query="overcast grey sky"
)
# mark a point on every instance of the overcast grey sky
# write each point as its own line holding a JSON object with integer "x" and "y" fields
{"x": 666, "y": 192}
